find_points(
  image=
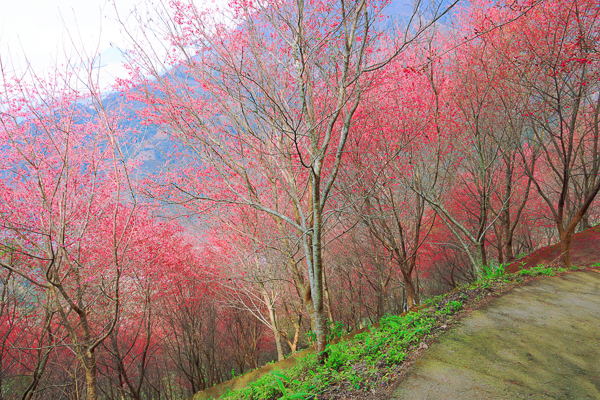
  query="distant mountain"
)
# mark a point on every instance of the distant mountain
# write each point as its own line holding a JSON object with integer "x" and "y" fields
{"x": 148, "y": 144}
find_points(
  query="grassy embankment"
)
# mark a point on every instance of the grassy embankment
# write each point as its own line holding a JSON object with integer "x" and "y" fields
{"x": 368, "y": 362}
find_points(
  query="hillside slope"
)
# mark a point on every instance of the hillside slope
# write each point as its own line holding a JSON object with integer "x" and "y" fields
{"x": 584, "y": 253}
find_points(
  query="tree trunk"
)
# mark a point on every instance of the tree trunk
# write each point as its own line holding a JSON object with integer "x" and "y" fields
{"x": 274, "y": 325}
{"x": 319, "y": 309}
{"x": 280, "y": 355}
{"x": 321, "y": 324}
{"x": 327, "y": 298}
{"x": 319, "y": 316}
{"x": 310, "y": 308}
{"x": 565, "y": 247}
{"x": 91, "y": 380}
{"x": 483, "y": 253}
{"x": 500, "y": 241}
{"x": 506, "y": 214}
{"x": 508, "y": 247}
{"x": 294, "y": 342}
{"x": 314, "y": 249}
{"x": 380, "y": 296}
{"x": 585, "y": 222}
{"x": 412, "y": 296}
{"x": 303, "y": 290}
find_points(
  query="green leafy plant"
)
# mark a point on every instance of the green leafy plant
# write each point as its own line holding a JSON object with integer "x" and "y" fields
{"x": 336, "y": 358}
{"x": 311, "y": 337}
{"x": 492, "y": 270}
{"x": 451, "y": 307}
{"x": 537, "y": 271}
{"x": 336, "y": 330}
{"x": 396, "y": 356}
{"x": 280, "y": 378}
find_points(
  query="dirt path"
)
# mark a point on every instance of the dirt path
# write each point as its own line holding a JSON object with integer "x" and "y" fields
{"x": 540, "y": 341}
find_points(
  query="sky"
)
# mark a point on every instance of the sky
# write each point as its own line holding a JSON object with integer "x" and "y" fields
{"x": 42, "y": 33}
{"x": 40, "y": 29}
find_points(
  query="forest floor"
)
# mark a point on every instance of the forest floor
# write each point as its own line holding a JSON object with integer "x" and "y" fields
{"x": 521, "y": 330}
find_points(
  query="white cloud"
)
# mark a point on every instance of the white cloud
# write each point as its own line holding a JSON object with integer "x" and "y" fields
{"x": 46, "y": 33}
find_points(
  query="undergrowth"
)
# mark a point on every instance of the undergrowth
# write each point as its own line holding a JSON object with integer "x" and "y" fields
{"x": 542, "y": 270}
{"x": 371, "y": 357}
{"x": 349, "y": 363}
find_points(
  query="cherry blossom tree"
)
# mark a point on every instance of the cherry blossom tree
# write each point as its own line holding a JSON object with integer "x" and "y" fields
{"x": 66, "y": 206}
{"x": 265, "y": 100}
{"x": 552, "y": 51}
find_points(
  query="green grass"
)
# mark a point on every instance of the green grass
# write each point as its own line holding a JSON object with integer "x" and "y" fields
{"x": 542, "y": 270}
{"x": 370, "y": 357}
{"x": 595, "y": 265}
{"x": 383, "y": 347}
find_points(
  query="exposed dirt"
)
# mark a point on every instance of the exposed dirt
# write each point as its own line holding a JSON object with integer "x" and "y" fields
{"x": 585, "y": 251}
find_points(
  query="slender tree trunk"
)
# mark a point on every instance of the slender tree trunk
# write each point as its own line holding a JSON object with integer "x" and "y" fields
{"x": 380, "y": 298}
{"x": 310, "y": 307}
{"x": 318, "y": 304}
{"x": 297, "y": 322}
{"x": 327, "y": 298}
{"x": 305, "y": 294}
{"x": 483, "y": 252}
{"x": 274, "y": 325}
{"x": 294, "y": 342}
{"x": 508, "y": 247}
{"x": 500, "y": 242}
{"x": 585, "y": 222}
{"x": 316, "y": 283}
{"x": 280, "y": 355}
{"x": 481, "y": 235}
{"x": 303, "y": 289}
{"x": 316, "y": 272}
{"x": 506, "y": 214}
